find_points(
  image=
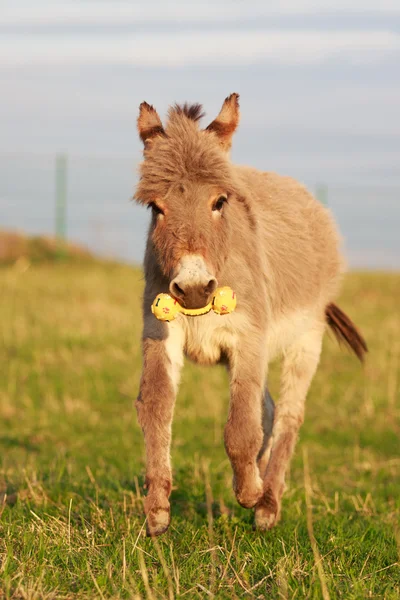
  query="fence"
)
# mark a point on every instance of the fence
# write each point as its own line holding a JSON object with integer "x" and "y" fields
{"x": 87, "y": 199}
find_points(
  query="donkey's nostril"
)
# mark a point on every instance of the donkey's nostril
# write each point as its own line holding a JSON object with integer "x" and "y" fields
{"x": 210, "y": 287}
{"x": 176, "y": 290}
{"x": 193, "y": 295}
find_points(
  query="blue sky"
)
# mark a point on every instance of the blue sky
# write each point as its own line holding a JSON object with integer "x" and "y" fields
{"x": 319, "y": 82}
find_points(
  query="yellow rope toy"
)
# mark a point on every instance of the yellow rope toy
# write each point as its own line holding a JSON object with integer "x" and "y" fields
{"x": 166, "y": 308}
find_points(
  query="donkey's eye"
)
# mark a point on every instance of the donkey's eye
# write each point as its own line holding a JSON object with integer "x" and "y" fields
{"x": 156, "y": 210}
{"x": 218, "y": 205}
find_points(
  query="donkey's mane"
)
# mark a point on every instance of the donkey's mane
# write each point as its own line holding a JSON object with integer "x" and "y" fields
{"x": 191, "y": 111}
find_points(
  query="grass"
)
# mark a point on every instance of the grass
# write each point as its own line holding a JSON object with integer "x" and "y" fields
{"x": 71, "y": 456}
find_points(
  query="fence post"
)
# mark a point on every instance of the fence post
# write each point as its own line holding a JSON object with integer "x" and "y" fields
{"x": 61, "y": 201}
{"x": 321, "y": 193}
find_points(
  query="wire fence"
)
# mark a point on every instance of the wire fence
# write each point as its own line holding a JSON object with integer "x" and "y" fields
{"x": 88, "y": 200}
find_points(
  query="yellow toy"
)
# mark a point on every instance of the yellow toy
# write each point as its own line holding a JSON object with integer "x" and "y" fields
{"x": 166, "y": 308}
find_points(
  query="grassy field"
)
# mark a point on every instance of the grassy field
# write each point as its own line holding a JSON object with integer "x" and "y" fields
{"x": 71, "y": 456}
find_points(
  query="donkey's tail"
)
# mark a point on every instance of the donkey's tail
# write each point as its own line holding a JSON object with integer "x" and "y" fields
{"x": 345, "y": 330}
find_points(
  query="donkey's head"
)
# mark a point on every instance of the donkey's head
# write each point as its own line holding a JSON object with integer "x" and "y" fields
{"x": 187, "y": 180}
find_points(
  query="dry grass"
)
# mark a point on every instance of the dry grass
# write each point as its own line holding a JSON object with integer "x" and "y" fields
{"x": 71, "y": 457}
{"x": 18, "y": 246}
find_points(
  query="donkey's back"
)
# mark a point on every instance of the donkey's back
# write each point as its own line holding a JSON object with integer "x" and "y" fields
{"x": 300, "y": 239}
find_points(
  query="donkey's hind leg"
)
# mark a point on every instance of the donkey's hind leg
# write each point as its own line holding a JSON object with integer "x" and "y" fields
{"x": 299, "y": 365}
{"x": 268, "y": 411}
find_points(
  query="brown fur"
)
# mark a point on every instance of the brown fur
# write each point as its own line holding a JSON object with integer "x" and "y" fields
{"x": 224, "y": 126}
{"x": 192, "y": 111}
{"x": 158, "y": 438}
{"x": 278, "y": 248}
{"x": 345, "y": 330}
{"x": 149, "y": 123}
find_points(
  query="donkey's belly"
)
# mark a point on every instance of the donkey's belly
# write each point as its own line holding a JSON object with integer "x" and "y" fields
{"x": 208, "y": 339}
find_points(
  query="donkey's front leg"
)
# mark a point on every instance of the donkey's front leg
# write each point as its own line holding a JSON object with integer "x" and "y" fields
{"x": 162, "y": 360}
{"x": 243, "y": 431}
{"x": 299, "y": 365}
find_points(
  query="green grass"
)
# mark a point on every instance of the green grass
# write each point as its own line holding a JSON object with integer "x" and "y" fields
{"x": 71, "y": 456}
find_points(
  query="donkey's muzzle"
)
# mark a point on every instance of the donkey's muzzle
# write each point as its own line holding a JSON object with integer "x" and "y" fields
{"x": 193, "y": 296}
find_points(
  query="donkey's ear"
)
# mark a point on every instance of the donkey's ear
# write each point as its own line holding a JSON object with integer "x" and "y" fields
{"x": 149, "y": 124}
{"x": 225, "y": 124}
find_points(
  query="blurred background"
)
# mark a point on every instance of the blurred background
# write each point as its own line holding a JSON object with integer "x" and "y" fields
{"x": 320, "y": 95}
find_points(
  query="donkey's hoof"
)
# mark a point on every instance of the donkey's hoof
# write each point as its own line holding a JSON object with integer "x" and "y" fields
{"x": 158, "y": 521}
{"x": 249, "y": 495}
{"x": 264, "y": 520}
{"x": 267, "y": 511}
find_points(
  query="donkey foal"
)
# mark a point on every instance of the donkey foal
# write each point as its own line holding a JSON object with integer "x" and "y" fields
{"x": 215, "y": 223}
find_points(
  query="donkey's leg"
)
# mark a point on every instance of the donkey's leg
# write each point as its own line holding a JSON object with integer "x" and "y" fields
{"x": 243, "y": 431}
{"x": 162, "y": 361}
{"x": 268, "y": 411}
{"x": 299, "y": 366}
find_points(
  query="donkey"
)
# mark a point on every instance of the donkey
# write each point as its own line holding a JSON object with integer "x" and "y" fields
{"x": 216, "y": 223}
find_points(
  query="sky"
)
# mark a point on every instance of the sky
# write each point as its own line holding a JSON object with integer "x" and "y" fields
{"x": 319, "y": 84}
{"x": 73, "y": 73}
